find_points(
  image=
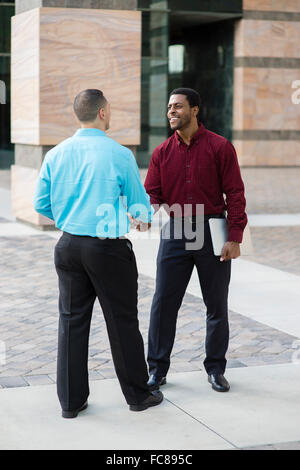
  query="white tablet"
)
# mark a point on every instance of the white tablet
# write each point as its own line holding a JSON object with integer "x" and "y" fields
{"x": 219, "y": 236}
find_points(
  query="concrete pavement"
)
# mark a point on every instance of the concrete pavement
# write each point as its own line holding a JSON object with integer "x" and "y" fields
{"x": 262, "y": 408}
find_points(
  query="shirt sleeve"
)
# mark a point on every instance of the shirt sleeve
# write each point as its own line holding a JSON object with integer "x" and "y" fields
{"x": 137, "y": 200}
{"x": 233, "y": 187}
{"x": 42, "y": 198}
{"x": 153, "y": 180}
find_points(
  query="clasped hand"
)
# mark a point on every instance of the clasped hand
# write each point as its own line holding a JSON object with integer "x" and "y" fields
{"x": 139, "y": 226}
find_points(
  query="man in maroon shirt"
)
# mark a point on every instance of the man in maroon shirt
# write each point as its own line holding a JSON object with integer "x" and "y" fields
{"x": 194, "y": 166}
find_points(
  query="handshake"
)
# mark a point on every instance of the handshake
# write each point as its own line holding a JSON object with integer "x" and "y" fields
{"x": 138, "y": 225}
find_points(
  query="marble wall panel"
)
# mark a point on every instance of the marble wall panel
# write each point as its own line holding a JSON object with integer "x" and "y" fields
{"x": 261, "y": 38}
{"x": 25, "y": 79}
{"x": 263, "y": 99}
{"x": 79, "y": 49}
{"x": 272, "y": 5}
{"x": 268, "y": 152}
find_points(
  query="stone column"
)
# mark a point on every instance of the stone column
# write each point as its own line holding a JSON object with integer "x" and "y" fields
{"x": 266, "y": 123}
{"x": 33, "y": 129}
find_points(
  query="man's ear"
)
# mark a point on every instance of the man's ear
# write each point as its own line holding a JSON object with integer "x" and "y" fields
{"x": 102, "y": 113}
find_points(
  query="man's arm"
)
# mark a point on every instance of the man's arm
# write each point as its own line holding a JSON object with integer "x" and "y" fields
{"x": 153, "y": 181}
{"x": 42, "y": 200}
{"x": 138, "y": 201}
{"x": 233, "y": 187}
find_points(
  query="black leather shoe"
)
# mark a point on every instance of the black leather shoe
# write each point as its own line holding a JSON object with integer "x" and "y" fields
{"x": 73, "y": 414}
{"x": 218, "y": 382}
{"x": 155, "y": 382}
{"x": 155, "y": 398}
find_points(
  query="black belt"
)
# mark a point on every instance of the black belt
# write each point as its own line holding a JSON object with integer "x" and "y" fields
{"x": 96, "y": 238}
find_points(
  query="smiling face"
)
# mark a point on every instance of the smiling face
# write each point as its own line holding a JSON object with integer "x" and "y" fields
{"x": 180, "y": 114}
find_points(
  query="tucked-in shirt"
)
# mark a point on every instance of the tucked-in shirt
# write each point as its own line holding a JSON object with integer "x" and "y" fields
{"x": 199, "y": 173}
{"x": 88, "y": 183}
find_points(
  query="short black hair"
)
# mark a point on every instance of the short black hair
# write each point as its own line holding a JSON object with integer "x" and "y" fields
{"x": 192, "y": 96}
{"x": 87, "y": 104}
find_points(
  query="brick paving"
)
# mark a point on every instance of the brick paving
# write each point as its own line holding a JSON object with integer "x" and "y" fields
{"x": 278, "y": 247}
{"x": 28, "y": 324}
{"x": 272, "y": 190}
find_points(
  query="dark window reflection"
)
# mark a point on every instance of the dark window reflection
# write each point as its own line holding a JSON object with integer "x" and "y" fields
{"x": 6, "y": 148}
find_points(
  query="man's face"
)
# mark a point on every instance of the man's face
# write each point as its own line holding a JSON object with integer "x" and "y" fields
{"x": 179, "y": 112}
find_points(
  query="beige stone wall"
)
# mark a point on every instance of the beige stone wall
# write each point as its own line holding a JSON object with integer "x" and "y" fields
{"x": 272, "y": 5}
{"x": 268, "y": 153}
{"x": 266, "y": 122}
{"x": 263, "y": 99}
{"x": 263, "y": 38}
{"x": 58, "y": 52}
{"x": 25, "y": 80}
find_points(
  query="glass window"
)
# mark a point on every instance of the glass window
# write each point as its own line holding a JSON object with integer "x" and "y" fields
{"x": 176, "y": 58}
{"x": 7, "y": 10}
{"x": 154, "y": 86}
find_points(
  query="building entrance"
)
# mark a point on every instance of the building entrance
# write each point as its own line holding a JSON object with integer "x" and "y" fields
{"x": 201, "y": 57}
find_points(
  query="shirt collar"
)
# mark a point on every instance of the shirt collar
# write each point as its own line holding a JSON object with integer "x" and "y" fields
{"x": 89, "y": 132}
{"x": 195, "y": 137}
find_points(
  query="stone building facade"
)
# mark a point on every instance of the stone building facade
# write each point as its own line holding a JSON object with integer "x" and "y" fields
{"x": 243, "y": 57}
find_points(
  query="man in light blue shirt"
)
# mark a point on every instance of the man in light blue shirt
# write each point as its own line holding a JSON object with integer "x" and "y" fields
{"x": 87, "y": 185}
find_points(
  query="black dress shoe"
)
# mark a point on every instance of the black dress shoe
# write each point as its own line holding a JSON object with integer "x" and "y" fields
{"x": 155, "y": 382}
{"x": 74, "y": 413}
{"x": 218, "y": 382}
{"x": 155, "y": 398}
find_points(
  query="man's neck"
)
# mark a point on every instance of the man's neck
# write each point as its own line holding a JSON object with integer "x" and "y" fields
{"x": 188, "y": 133}
{"x": 92, "y": 126}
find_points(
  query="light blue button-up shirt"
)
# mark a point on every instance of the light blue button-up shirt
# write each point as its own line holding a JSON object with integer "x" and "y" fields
{"x": 88, "y": 183}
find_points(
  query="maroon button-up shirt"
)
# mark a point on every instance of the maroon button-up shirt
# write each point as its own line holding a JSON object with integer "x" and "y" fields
{"x": 199, "y": 173}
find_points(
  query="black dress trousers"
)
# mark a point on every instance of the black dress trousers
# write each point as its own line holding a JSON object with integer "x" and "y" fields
{"x": 175, "y": 264}
{"x": 87, "y": 268}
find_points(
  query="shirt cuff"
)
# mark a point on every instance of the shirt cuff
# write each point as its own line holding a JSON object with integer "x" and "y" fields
{"x": 235, "y": 235}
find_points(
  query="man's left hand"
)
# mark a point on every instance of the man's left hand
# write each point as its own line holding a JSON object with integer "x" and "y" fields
{"x": 231, "y": 250}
